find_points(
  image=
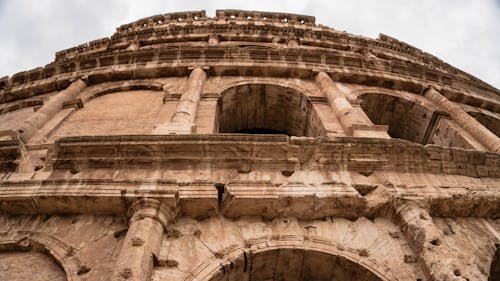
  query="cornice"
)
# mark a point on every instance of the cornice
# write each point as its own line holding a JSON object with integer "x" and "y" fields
{"x": 251, "y": 61}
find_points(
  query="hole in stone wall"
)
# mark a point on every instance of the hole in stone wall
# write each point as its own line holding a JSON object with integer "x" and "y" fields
{"x": 245, "y": 262}
{"x": 435, "y": 242}
{"x": 287, "y": 173}
{"x": 120, "y": 233}
{"x": 220, "y": 193}
{"x": 83, "y": 270}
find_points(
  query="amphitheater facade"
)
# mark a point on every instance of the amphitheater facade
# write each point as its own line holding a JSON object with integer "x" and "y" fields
{"x": 248, "y": 146}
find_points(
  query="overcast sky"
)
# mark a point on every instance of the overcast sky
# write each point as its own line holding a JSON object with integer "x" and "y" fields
{"x": 464, "y": 33}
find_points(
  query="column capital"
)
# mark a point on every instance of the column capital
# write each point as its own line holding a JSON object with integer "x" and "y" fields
{"x": 433, "y": 92}
{"x": 200, "y": 67}
{"x": 152, "y": 208}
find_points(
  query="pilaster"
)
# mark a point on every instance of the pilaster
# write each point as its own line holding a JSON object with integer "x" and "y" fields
{"x": 148, "y": 222}
{"x": 50, "y": 109}
{"x": 183, "y": 121}
{"x": 353, "y": 119}
{"x": 476, "y": 129}
{"x": 437, "y": 259}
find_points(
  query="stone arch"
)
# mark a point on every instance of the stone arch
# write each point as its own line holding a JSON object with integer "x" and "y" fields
{"x": 62, "y": 254}
{"x": 265, "y": 107}
{"x": 293, "y": 261}
{"x": 413, "y": 118}
{"x": 101, "y": 90}
{"x": 410, "y": 97}
{"x": 263, "y": 80}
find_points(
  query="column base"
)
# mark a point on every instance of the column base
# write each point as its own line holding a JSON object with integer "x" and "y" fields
{"x": 369, "y": 131}
{"x": 173, "y": 128}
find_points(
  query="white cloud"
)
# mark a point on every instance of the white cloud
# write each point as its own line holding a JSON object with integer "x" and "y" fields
{"x": 463, "y": 33}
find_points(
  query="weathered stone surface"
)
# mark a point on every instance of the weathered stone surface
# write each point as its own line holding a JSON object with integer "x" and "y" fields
{"x": 18, "y": 266}
{"x": 85, "y": 246}
{"x": 248, "y": 146}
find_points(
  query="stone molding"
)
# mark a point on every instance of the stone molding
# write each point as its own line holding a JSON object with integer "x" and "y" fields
{"x": 288, "y": 152}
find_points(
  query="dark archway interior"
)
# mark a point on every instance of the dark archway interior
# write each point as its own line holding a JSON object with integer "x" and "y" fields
{"x": 264, "y": 109}
{"x": 407, "y": 120}
{"x": 495, "y": 266}
{"x": 294, "y": 265}
{"x": 489, "y": 122}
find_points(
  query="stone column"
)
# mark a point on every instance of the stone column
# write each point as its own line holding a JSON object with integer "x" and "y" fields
{"x": 436, "y": 258}
{"x": 148, "y": 221}
{"x": 50, "y": 109}
{"x": 352, "y": 119}
{"x": 184, "y": 118}
{"x": 476, "y": 129}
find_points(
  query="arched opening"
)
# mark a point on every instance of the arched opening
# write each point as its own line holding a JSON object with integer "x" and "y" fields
{"x": 406, "y": 120}
{"x": 29, "y": 265}
{"x": 491, "y": 123}
{"x": 292, "y": 264}
{"x": 495, "y": 265}
{"x": 413, "y": 121}
{"x": 265, "y": 109}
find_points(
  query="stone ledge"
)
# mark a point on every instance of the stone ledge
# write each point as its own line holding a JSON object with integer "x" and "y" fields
{"x": 280, "y": 152}
{"x": 246, "y": 198}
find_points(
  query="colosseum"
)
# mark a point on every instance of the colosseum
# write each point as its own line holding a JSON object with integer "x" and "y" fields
{"x": 249, "y": 146}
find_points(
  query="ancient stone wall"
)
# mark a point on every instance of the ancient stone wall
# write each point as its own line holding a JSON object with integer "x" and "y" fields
{"x": 248, "y": 146}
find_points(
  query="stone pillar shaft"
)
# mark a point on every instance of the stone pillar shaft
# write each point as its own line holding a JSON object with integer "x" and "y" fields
{"x": 50, "y": 109}
{"x": 350, "y": 118}
{"x": 435, "y": 257}
{"x": 188, "y": 104}
{"x": 142, "y": 242}
{"x": 183, "y": 120}
{"x": 474, "y": 127}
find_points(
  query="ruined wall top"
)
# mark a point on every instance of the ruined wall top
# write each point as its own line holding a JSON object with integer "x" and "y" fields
{"x": 178, "y": 40}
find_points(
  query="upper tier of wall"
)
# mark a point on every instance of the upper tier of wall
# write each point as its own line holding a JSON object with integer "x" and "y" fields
{"x": 318, "y": 47}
